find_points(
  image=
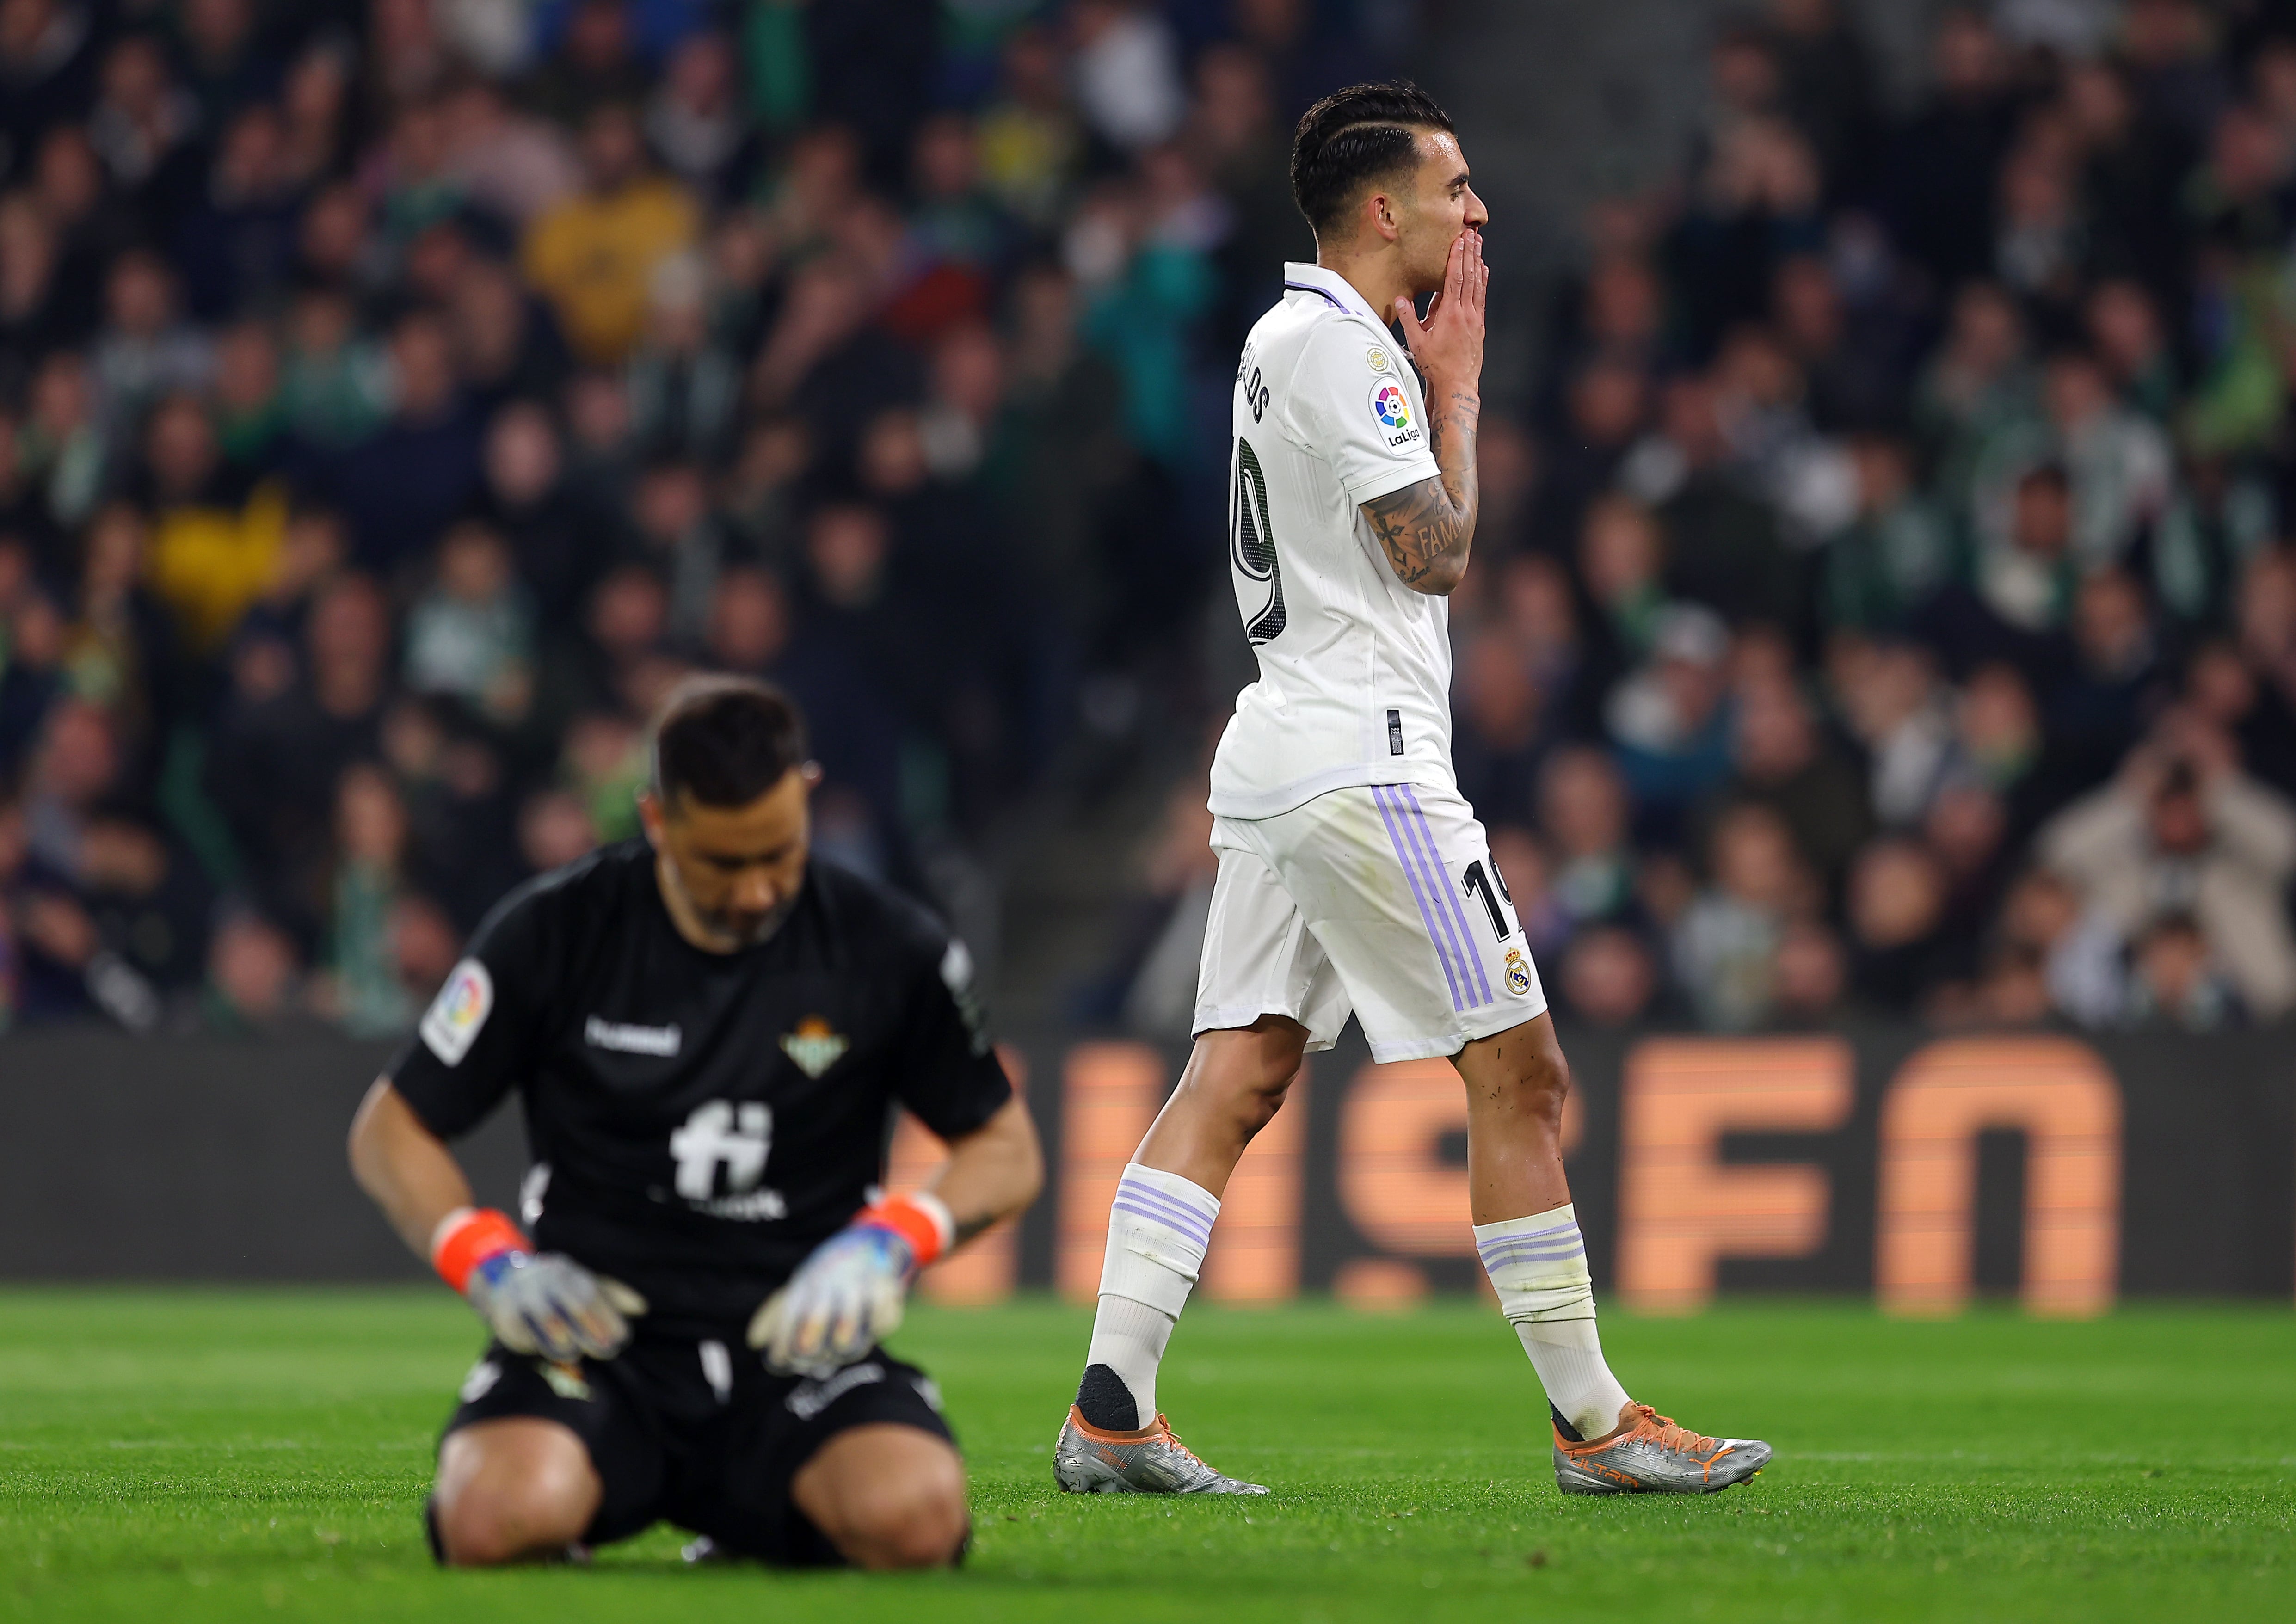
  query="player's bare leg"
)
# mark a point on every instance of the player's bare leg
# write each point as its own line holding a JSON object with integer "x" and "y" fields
{"x": 1527, "y": 1233}
{"x": 1113, "y": 1440}
{"x": 515, "y": 1489}
{"x": 1234, "y": 1083}
{"x": 886, "y": 1496}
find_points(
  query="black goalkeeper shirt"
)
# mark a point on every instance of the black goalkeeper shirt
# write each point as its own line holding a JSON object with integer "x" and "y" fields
{"x": 700, "y": 1121}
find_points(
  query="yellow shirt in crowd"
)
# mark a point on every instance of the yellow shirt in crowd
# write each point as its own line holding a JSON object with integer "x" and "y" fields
{"x": 591, "y": 257}
{"x": 209, "y": 563}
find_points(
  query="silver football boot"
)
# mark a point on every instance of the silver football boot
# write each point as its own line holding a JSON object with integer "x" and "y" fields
{"x": 1150, "y": 1461}
{"x": 1652, "y": 1455}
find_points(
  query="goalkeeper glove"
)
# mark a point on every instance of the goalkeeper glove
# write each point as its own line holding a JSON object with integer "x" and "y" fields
{"x": 848, "y": 1296}
{"x": 543, "y": 1303}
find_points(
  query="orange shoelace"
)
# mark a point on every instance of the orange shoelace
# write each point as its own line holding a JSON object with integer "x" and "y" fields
{"x": 1173, "y": 1439}
{"x": 1671, "y": 1434}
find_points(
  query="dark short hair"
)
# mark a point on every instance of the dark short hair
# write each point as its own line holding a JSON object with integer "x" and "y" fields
{"x": 724, "y": 740}
{"x": 1353, "y": 137}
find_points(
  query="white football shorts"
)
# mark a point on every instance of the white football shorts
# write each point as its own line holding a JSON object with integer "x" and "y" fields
{"x": 1380, "y": 900}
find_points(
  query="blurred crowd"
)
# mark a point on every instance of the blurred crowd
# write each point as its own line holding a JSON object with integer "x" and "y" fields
{"x": 1881, "y": 605}
{"x": 395, "y": 398}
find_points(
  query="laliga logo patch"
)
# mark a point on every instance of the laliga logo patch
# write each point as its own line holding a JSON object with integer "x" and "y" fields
{"x": 1392, "y": 409}
{"x": 459, "y": 1012}
{"x": 1518, "y": 973}
{"x": 815, "y": 1046}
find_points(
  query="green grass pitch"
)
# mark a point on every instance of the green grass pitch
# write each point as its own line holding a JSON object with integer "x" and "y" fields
{"x": 181, "y": 1457}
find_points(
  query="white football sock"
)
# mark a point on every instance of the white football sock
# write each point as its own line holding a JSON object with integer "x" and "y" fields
{"x": 1158, "y": 1226}
{"x": 1538, "y": 1265}
{"x": 1129, "y": 1338}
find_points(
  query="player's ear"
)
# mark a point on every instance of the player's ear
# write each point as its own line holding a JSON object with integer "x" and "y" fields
{"x": 1379, "y": 208}
{"x": 810, "y": 775}
{"x": 651, "y": 817}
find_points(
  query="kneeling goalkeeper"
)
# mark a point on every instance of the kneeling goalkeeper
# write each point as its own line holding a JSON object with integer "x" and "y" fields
{"x": 708, "y": 1033}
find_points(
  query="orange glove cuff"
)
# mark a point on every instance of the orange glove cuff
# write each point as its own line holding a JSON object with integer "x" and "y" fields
{"x": 468, "y": 1238}
{"x": 922, "y": 1219}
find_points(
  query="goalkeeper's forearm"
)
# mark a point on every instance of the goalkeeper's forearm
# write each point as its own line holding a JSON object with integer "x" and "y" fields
{"x": 403, "y": 1168}
{"x": 993, "y": 1172}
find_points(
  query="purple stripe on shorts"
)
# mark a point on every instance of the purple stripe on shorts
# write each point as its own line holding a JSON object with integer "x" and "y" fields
{"x": 1418, "y": 892}
{"x": 1439, "y": 884}
{"x": 1201, "y": 1237}
{"x": 1458, "y": 908}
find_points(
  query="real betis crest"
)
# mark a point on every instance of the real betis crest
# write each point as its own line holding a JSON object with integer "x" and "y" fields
{"x": 814, "y": 1047}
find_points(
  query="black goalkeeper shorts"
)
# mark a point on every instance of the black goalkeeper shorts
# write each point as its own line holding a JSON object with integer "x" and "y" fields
{"x": 701, "y": 1434}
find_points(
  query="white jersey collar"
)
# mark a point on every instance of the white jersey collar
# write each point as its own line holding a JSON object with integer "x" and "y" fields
{"x": 1299, "y": 278}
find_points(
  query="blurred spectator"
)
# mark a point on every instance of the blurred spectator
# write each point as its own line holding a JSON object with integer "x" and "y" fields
{"x": 1127, "y": 72}
{"x": 399, "y": 487}
{"x": 1497, "y": 742}
{"x": 2174, "y": 983}
{"x": 1812, "y": 976}
{"x": 1582, "y": 808}
{"x": 2183, "y": 830}
{"x": 253, "y": 976}
{"x": 472, "y": 637}
{"x": 1896, "y": 554}
{"x": 371, "y": 844}
{"x": 1781, "y": 759}
{"x": 216, "y": 529}
{"x": 593, "y": 254}
{"x": 1896, "y": 908}
{"x": 1669, "y": 720}
{"x": 1725, "y": 945}
{"x": 1607, "y": 978}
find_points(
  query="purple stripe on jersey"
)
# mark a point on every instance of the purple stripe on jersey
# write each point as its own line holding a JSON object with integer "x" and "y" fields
{"x": 1458, "y": 908}
{"x": 1418, "y": 891}
{"x": 1439, "y": 884}
{"x": 1301, "y": 287}
{"x": 1124, "y": 1204}
{"x": 1177, "y": 1213}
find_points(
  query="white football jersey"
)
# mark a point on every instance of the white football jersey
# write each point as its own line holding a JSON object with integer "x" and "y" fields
{"x": 1354, "y": 667}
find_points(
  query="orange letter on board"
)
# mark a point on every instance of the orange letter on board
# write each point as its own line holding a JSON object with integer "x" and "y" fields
{"x": 1111, "y": 1093}
{"x": 2068, "y": 1104}
{"x": 1393, "y": 1180}
{"x": 1255, "y": 1256}
{"x": 1680, "y": 1208}
{"x": 984, "y": 1269}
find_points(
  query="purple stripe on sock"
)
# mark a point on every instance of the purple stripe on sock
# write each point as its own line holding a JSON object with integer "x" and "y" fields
{"x": 1451, "y": 896}
{"x": 1509, "y": 1249}
{"x": 1494, "y": 1260}
{"x": 1177, "y": 1214}
{"x": 1202, "y": 1239}
{"x": 1418, "y": 893}
{"x": 1208, "y": 1209}
{"x": 1564, "y": 1227}
{"x": 1438, "y": 885}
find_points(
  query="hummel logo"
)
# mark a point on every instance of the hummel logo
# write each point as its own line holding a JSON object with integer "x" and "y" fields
{"x": 660, "y": 1041}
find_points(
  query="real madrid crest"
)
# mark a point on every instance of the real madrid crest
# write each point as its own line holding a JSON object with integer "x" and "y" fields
{"x": 1518, "y": 973}
{"x": 815, "y": 1046}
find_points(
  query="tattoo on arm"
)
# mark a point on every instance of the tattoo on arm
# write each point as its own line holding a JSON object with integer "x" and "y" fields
{"x": 1427, "y": 528}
